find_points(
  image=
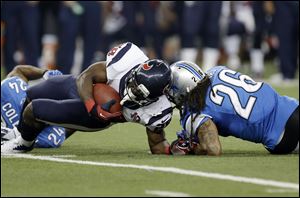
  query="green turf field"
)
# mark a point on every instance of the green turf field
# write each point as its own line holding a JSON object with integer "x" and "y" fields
{"x": 101, "y": 164}
{"x": 126, "y": 144}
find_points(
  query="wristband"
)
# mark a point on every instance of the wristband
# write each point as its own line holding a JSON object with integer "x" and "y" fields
{"x": 168, "y": 150}
{"x": 45, "y": 72}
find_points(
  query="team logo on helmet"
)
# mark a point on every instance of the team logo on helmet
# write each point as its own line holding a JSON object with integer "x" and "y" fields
{"x": 146, "y": 66}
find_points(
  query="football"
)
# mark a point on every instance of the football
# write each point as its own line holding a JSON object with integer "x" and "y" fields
{"x": 103, "y": 94}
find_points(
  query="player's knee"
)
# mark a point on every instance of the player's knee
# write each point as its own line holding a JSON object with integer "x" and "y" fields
{"x": 29, "y": 118}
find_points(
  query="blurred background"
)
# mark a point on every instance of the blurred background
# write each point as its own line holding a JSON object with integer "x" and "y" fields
{"x": 260, "y": 38}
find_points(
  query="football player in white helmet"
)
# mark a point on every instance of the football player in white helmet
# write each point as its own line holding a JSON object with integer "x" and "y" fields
{"x": 141, "y": 83}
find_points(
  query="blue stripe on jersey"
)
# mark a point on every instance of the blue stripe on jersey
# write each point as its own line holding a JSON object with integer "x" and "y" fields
{"x": 155, "y": 118}
{"x": 120, "y": 54}
{"x": 190, "y": 69}
{"x": 185, "y": 118}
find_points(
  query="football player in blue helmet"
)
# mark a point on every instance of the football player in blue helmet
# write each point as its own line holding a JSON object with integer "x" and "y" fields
{"x": 13, "y": 96}
{"x": 147, "y": 82}
{"x": 229, "y": 103}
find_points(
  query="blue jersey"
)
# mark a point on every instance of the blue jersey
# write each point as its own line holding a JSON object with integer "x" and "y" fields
{"x": 242, "y": 108}
{"x": 13, "y": 95}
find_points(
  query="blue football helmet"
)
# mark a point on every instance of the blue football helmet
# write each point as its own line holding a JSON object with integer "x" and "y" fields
{"x": 147, "y": 82}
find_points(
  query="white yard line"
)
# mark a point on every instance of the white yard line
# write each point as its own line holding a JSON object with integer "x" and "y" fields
{"x": 58, "y": 156}
{"x": 257, "y": 181}
{"x": 166, "y": 193}
{"x": 280, "y": 190}
{"x": 63, "y": 156}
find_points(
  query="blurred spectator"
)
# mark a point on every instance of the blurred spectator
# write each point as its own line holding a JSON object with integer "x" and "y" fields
{"x": 201, "y": 18}
{"x": 2, "y": 42}
{"x": 48, "y": 32}
{"x": 146, "y": 21}
{"x": 21, "y": 20}
{"x": 132, "y": 21}
{"x": 261, "y": 13}
{"x": 167, "y": 38}
{"x": 286, "y": 21}
{"x": 237, "y": 25}
{"x": 120, "y": 23}
{"x": 78, "y": 18}
{"x": 169, "y": 30}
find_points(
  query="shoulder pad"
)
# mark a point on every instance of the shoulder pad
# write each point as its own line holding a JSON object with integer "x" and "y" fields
{"x": 123, "y": 58}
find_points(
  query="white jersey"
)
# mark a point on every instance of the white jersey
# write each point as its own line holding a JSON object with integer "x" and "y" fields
{"x": 120, "y": 61}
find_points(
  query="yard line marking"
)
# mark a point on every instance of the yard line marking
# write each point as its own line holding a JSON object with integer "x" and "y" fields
{"x": 264, "y": 182}
{"x": 166, "y": 193}
{"x": 63, "y": 156}
{"x": 280, "y": 190}
{"x": 58, "y": 156}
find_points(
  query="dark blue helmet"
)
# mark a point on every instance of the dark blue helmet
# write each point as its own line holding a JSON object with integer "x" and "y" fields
{"x": 148, "y": 82}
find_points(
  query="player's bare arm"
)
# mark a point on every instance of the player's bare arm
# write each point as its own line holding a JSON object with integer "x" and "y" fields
{"x": 157, "y": 142}
{"x": 27, "y": 72}
{"x": 95, "y": 73}
{"x": 209, "y": 143}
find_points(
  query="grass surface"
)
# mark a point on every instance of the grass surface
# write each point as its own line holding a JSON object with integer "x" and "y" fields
{"x": 127, "y": 144}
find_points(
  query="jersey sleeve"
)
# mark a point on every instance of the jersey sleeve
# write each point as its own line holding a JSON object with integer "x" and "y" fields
{"x": 160, "y": 121}
{"x": 198, "y": 121}
{"x": 155, "y": 116}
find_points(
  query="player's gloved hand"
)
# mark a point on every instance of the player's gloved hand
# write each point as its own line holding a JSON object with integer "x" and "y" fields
{"x": 102, "y": 111}
{"x": 50, "y": 73}
{"x": 180, "y": 147}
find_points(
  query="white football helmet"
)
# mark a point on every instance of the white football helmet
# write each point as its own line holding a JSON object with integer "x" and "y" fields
{"x": 185, "y": 76}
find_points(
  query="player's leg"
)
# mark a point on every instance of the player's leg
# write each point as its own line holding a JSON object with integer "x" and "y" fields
{"x": 210, "y": 34}
{"x": 192, "y": 22}
{"x": 57, "y": 88}
{"x": 28, "y": 126}
{"x": 290, "y": 140}
{"x": 68, "y": 30}
{"x": 37, "y": 114}
{"x": 91, "y": 32}
{"x": 69, "y": 113}
{"x": 29, "y": 24}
